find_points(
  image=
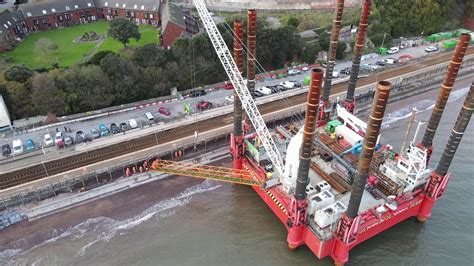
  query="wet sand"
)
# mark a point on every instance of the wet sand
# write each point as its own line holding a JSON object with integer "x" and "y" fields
{"x": 119, "y": 206}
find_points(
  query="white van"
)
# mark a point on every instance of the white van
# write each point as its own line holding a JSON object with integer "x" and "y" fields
{"x": 48, "y": 141}
{"x": 149, "y": 117}
{"x": 132, "y": 123}
{"x": 17, "y": 146}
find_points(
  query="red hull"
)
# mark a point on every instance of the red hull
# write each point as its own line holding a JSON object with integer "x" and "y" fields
{"x": 370, "y": 225}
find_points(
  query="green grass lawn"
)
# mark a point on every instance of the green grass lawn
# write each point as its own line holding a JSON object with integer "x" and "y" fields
{"x": 69, "y": 52}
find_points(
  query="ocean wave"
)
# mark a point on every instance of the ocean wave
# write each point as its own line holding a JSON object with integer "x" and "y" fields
{"x": 421, "y": 106}
{"x": 106, "y": 228}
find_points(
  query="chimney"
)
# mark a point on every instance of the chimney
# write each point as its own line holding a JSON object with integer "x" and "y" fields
{"x": 446, "y": 87}
{"x": 349, "y": 103}
{"x": 373, "y": 128}
{"x": 314, "y": 94}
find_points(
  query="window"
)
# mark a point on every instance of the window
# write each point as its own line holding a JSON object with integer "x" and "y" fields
{"x": 151, "y": 16}
{"x": 76, "y": 7}
{"x": 115, "y": 13}
{"x": 82, "y": 14}
{"x": 44, "y": 11}
{"x": 106, "y": 4}
{"x": 36, "y": 22}
{"x": 145, "y": 15}
{"x": 43, "y": 20}
{"x": 5, "y": 25}
{"x": 133, "y": 14}
{"x": 66, "y": 16}
{"x": 89, "y": 4}
{"x": 9, "y": 23}
{"x": 143, "y": 7}
{"x": 109, "y": 12}
{"x": 60, "y": 18}
{"x": 135, "y": 6}
{"x": 68, "y": 8}
{"x": 127, "y": 13}
{"x": 28, "y": 14}
{"x": 53, "y": 10}
{"x": 124, "y": 5}
{"x": 116, "y": 5}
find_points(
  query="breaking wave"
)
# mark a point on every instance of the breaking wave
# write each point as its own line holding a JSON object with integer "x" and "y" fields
{"x": 106, "y": 228}
{"x": 421, "y": 106}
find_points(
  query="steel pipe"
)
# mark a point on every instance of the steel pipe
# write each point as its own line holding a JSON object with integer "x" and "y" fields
{"x": 445, "y": 90}
{"x": 336, "y": 27}
{"x": 239, "y": 61}
{"x": 252, "y": 48}
{"x": 312, "y": 107}
{"x": 456, "y": 133}
{"x": 373, "y": 129}
{"x": 358, "y": 47}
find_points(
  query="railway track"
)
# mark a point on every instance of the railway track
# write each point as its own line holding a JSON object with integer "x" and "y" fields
{"x": 35, "y": 172}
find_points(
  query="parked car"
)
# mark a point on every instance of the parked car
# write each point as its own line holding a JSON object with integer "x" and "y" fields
{"x": 197, "y": 93}
{"x": 297, "y": 83}
{"x": 132, "y": 123}
{"x": 114, "y": 128}
{"x": 430, "y": 49}
{"x": 293, "y": 71}
{"x": 391, "y": 61}
{"x": 305, "y": 69}
{"x": 163, "y": 111}
{"x": 264, "y": 90}
{"x": 48, "y": 140}
{"x": 257, "y": 94}
{"x": 274, "y": 88}
{"x": 203, "y": 105}
{"x": 288, "y": 84}
{"x": 68, "y": 141}
{"x": 6, "y": 150}
{"x": 149, "y": 118}
{"x": 346, "y": 71}
{"x": 123, "y": 126}
{"x": 324, "y": 64}
{"x": 30, "y": 145}
{"x": 228, "y": 86}
{"x": 393, "y": 50}
{"x": 229, "y": 99}
{"x": 95, "y": 133}
{"x": 59, "y": 139}
{"x": 104, "y": 130}
{"x": 17, "y": 146}
{"x": 381, "y": 63}
{"x": 80, "y": 137}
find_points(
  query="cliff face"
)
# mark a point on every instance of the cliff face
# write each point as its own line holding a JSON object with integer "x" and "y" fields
{"x": 233, "y": 5}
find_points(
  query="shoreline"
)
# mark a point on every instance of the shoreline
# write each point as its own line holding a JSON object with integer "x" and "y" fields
{"x": 131, "y": 202}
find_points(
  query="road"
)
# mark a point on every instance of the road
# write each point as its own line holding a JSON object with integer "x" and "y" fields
{"x": 217, "y": 97}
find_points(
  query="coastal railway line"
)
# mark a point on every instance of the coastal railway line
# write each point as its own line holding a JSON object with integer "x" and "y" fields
{"x": 64, "y": 164}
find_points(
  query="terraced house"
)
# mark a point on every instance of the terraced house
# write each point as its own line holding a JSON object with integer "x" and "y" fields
{"x": 33, "y": 17}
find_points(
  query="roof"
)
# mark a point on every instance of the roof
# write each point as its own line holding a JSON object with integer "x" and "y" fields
{"x": 172, "y": 13}
{"x": 48, "y": 8}
{"x": 147, "y": 5}
{"x": 8, "y": 19}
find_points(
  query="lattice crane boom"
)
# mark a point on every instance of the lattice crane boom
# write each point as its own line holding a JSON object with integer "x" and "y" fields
{"x": 239, "y": 85}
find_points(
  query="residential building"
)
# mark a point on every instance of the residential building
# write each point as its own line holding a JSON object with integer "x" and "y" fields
{"x": 177, "y": 23}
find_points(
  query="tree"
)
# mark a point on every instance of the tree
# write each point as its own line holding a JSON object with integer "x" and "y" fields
{"x": 310, "y": 53}
{"x": 150, "y": 55}
{"x": 341, "y": 48}
{"x": 122, "y": 30}
{"x": 95, "y": 59}
{"x": 47, "y": 94}
{"x": 291, "y": 20}
{"x": 323, "y": 41}
{"x": 19, "y": 73}
{"x": 17, "y": 97}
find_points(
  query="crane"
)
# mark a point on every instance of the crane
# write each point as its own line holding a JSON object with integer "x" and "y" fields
{"x": 240, "y": 86}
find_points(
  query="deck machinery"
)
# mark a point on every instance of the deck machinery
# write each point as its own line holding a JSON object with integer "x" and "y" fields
{"x": 339, "y": 184}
